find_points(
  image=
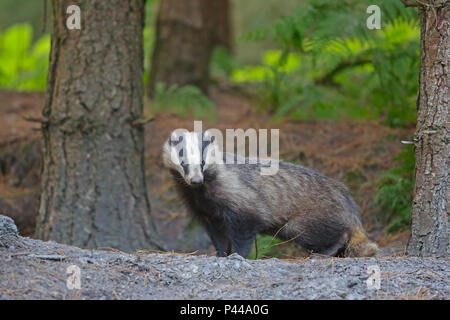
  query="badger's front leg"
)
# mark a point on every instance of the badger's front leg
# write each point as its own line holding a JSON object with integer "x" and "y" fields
{"x": 221, "y": 243}
{"x": 217, "y": 232}
{"x": 243, "y": 245}
{"x": 242, "y": 232}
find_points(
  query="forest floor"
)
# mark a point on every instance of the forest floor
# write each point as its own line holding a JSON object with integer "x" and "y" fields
{"x": 32, "y": 269}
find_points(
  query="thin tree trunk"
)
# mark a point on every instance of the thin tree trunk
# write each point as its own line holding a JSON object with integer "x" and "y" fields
{"x": 186, "y": 34}
{"x": 93, "y": 181}
{"x": 430, "y": 229}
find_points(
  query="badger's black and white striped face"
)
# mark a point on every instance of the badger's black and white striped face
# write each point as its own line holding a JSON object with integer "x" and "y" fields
{"x": 190, "y": 154}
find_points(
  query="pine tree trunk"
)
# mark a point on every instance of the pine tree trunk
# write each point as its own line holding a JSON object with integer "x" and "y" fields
{"x": 220, "y": 19}
{"x": 186, "y": 34}
{"x": 430, "y": 230}
{"x": 93, "y": 181}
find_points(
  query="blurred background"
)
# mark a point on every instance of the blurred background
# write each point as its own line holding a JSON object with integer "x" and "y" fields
{"x": 343, "y": 97}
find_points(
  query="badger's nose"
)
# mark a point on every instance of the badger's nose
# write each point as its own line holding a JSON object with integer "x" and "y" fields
{"x": 196, "y": 181}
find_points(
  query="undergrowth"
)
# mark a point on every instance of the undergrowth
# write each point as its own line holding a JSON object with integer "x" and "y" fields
{"x": 187, "y": 101}
{"x": 395, "y": 192}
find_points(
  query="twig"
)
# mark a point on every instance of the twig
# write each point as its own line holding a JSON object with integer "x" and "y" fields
{"x": 108, "y": 249}
{"x": 292, "y": 239}
{"x": 142, "y": 121}
{"x": 19, "y": 254}
{"x": 48, "y": 257}
{"x": 418, "y": 138}
{"x": 327, "y": 79}
{"x": 276, "y": 233}
{"x": 34, "y": 119}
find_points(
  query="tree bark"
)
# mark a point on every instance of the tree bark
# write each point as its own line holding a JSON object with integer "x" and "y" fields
{"x": 186, "y": 34}
{"x": 93, "y": 181}
{"x": 430, "y": 229}
{"x": 220, "y": 24}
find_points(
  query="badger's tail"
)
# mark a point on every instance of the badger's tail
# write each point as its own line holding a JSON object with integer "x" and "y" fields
{"x": 360, "y": 246}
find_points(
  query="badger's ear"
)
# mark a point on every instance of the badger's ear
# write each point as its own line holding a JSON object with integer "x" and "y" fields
{"x": 175, "y": 138}
{"x": 208, "y": 136}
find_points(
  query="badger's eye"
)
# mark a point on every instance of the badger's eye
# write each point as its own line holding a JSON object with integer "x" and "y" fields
{"x": 203, "y": 163}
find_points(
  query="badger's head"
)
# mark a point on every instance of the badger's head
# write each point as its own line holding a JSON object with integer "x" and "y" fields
{"x": 190, "y": 154}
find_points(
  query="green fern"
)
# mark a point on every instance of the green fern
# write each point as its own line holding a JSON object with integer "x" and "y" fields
{"x": 336, "y": 50}
{"x": 23, "y": 65}
{"x": 222, "y": 64}
{"x": 395, "y": 192}
{"x": 267, "y": 247}
{"x": 185, "y": 101}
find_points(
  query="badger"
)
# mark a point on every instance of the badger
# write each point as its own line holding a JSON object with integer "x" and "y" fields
{"x": 234, "y": 202}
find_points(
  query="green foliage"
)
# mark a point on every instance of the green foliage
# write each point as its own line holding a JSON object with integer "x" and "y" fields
{"x": 394, "y": 195}
{"x": 23, "y": 66}
{"x": 272, "y": 74}
{"x": 24, "y": 63}
{"x": 270, "y": 68}
{"x": 343, "y": 69}
{"x": 185, "y": 101}
{"x": 267, "y": 247}
{"x": 222, "y": 64}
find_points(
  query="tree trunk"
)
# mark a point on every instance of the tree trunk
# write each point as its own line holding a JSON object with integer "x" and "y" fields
{"x": 430, "y": 230}
{"x": 93, "y": 181}
{"x": 220, "y": 24}
{"x": 186, "y": 34}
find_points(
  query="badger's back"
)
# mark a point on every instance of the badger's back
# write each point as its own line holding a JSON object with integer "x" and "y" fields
{"x": 294, "y": 190}
{"x": 296, "y": 203}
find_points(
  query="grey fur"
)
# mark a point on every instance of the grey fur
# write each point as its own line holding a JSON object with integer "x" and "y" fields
{"x": 235, "y": 203}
